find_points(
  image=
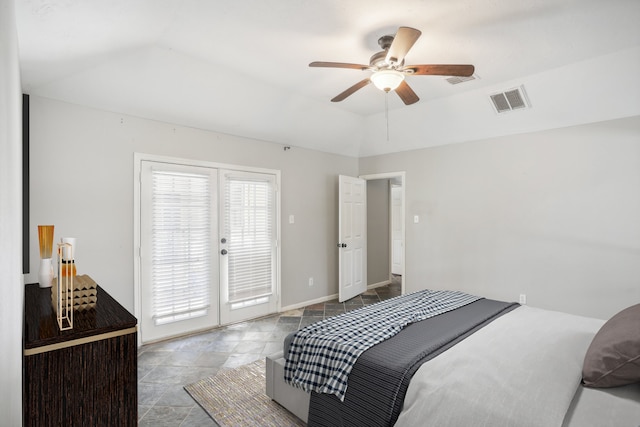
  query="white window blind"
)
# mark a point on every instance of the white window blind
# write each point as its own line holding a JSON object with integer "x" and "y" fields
{"x": 181, "y": 247}
{"x": 249, "y": 229}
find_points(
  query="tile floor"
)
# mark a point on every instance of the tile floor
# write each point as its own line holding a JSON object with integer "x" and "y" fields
{"x": 164, "y": 368}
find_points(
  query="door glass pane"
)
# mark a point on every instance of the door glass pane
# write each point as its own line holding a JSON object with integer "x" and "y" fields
{"x": 249, "y": 229}
{"x": 180, "y": 246}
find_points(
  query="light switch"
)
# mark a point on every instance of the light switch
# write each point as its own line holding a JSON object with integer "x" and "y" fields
{"x": 292, "y": 219}
{"x": 416, "y": 219}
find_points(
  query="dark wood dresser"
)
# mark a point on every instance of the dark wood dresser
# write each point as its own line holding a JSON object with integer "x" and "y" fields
{"x": 85, "y": 376}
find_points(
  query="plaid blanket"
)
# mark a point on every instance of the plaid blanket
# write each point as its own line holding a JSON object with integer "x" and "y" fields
{"x": 321, "y": 355}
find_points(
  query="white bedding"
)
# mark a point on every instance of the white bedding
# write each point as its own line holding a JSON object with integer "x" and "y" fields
{"x": 522, "y": 369}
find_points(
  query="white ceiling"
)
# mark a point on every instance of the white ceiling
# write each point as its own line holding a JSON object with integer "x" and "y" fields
{"x": 241, "y": 66}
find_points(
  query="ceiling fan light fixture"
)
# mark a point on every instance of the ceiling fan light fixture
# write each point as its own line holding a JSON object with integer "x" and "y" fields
{"x": 387, "y": 80}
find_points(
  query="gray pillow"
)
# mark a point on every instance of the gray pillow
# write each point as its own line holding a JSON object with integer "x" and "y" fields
{"x": 613, "y": 358}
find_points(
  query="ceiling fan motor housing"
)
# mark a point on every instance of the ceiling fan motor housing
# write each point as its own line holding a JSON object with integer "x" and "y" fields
{"x": 379, "y": 60}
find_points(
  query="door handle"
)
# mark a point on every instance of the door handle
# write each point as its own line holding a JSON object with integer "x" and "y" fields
{"x": 342, "y": 245}
{"x": 223, "y": 252}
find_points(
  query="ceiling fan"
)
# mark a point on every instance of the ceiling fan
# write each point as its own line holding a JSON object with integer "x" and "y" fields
{"x": 388, "y": 69}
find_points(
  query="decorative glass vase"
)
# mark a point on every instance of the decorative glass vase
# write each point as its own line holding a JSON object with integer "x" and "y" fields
{"x": 45, "y": 241}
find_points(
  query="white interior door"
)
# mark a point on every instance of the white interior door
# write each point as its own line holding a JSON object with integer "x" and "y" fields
{"x": 352, "y": 237}
{"x": 248, "y": 245}
{"x": 396, "y": 230}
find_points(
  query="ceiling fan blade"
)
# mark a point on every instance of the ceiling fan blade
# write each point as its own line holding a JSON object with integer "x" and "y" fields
{"x": 338, "y": 65}
{"x": 351, "y": 90}
{"x": 402, "y": 42}
{"x": 441, "y": 70}
{"x": 407, "y": 94}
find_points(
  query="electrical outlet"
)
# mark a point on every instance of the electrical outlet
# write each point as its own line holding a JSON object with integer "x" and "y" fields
{"x": 523, "y": 299}
{"x": 310, "y": 281}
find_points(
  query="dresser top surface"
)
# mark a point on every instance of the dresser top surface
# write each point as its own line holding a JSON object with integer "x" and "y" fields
{"x": 41, "y": 326}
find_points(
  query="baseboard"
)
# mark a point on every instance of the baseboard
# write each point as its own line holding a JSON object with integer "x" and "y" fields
{"x": 377, "y": 285}
{"x": 310, "y": 302}
{"x": 327, "y": 298}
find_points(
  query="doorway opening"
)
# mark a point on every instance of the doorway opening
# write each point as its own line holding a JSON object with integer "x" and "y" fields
{"x": 386, "y": 229}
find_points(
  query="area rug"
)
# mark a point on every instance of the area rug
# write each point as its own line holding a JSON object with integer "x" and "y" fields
{"x": 236, "y": 398}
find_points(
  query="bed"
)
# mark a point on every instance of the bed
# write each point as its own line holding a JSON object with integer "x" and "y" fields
{"x": 483, "y": 363}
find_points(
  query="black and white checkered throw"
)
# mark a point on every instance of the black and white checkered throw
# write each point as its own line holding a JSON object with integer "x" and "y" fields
{"x": 322, "y": 355}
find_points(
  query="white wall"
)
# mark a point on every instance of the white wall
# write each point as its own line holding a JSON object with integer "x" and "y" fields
{"x": 12, "y": 296}
{"x": 94, "y": 149}
{"x": 554, "y": 215}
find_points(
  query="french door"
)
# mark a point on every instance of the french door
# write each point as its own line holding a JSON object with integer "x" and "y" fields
{"x": 207, "y": 245}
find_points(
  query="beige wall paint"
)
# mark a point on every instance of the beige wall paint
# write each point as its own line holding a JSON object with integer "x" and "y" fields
{"x": 378, "y": 256}
{"x": 94, "y": 149}
{"x": 553, "y": 215}
{"x": 12, "y": 298}
{"x": 549, "y": 214}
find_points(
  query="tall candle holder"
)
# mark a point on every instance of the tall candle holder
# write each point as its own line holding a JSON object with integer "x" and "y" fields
{"x": 64, "y": 288}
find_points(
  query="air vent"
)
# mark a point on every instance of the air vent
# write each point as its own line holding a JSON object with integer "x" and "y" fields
{"x": 510, "y": 100}
{"x": 458, "y": 80}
